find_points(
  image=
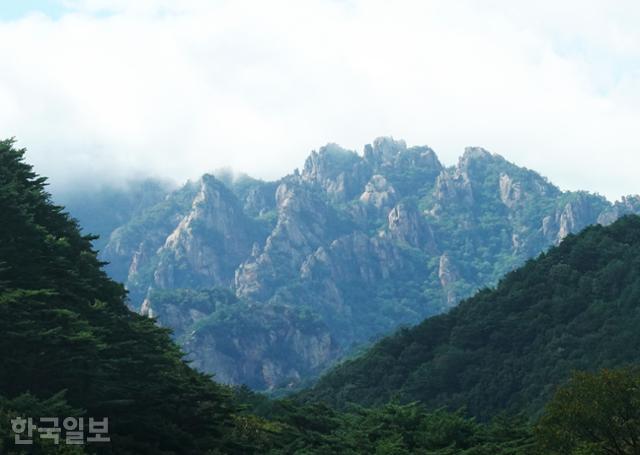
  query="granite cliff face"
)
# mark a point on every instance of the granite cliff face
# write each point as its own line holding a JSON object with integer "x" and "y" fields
{"x": 267, "y": 283}
{"x": 208, "y": 243}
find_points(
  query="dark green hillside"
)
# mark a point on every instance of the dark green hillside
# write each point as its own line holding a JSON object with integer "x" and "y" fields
{"x": 69, "y": 342}
{"x": 574, "y": 307}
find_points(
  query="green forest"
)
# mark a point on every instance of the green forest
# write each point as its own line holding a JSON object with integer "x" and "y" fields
{"x": 574, "y": 307}
{"x": 543, "y": 363}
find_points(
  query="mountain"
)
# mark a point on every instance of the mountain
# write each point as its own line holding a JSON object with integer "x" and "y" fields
{"x": 69, "y": 347}
{"x": 268, "y": 283}
{"x": 575, "y": 307}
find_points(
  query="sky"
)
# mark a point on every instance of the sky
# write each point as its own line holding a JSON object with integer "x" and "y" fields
{"x": 101, "y": 91}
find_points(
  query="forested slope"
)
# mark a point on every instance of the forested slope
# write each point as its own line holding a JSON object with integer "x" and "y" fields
{"x": 575, "y": 307}
{"x": 66, "y": 333}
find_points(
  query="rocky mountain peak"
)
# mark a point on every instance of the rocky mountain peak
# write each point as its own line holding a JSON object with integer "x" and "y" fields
{"x": 419, "y": 157}
{"x": 384, "y": 150}
{"x": 213, "y": 195}
{"x": 329, "y": 161}
{"x": 471, "y": 153}
{"x": 340, "y": 172}
{"x": 478, "y": 157}
{"x": 208, "y": 243}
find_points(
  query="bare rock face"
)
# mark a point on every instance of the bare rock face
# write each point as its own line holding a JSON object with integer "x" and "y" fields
{"x": 567, "y": 222}
{"x": 454, "y": 187}
{"x": 243, "y": 353}
{"x": 300, "y": 229}
{"x": 473, "y": 153}
{"x": 547, "y": 228}
{"x": 261, "y": 199}
{"x": 510, "y": 191}
{"x": 576, "y": 215}
{"x": 449, "y": 276}
{"x": 378, "y": 193}
{"x": 627, "y": 205}
{"x": 346, "y": 276}
{"x": 208, "y": 244}
{"x": 387, "y": 155}
{"x": 340, "y": 173}
{"x": 354, "y": 258}
{"x": 384, "y": 152}
{"x": 407, "y": 225}
{"x": 419, "y": 158}
{"x": 132, "y": 248}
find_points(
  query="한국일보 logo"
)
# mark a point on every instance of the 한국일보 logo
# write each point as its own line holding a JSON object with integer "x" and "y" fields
{"x": 69, "y": 430}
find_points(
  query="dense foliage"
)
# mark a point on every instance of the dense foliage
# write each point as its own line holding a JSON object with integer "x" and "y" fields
{"x": 594, "y": 413}
{"x": 65, "y": 327}
{"x": 390, "y": 429}
{"x": 574, "y": 307}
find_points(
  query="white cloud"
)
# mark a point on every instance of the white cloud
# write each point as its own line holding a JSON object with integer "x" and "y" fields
{"x": 179, "y": 87}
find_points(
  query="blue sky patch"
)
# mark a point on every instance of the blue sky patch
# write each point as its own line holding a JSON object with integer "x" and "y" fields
{"x": 11, "y": 10}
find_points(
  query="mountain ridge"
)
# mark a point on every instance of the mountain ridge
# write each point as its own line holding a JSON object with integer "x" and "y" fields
{"x": 354, "y": 245}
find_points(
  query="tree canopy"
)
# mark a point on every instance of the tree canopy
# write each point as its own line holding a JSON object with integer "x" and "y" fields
{"x": 575, "y": 307}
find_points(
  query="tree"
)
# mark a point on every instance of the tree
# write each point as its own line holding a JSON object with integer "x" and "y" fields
{"x": 594, "y": 413}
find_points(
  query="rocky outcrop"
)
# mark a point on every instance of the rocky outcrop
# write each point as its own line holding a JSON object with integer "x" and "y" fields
{"x": 386, "y": 156}
{"x": 247, "y": 358}
{"x": 301, "y": 228}
{"x": 196, "y": 238}
{"x": 510, "y": 191}
{"x": 335, "y": 255}
{"x": 627, "y": 205}
{"x": 578, "y": 214}
{"x": 384, "y": 152}
{"x": 378, "y": 194}
{"x": 449, "y": 276}
{"x": 407, "y": 225}
{"x": 131, "y": 252}
{"x": 260, "y": 199}
{"x": 209, "y": 243}
{"x": 453, "y": 187}
{"x": 354, "y": 258}
{"x": 340, "y": 173}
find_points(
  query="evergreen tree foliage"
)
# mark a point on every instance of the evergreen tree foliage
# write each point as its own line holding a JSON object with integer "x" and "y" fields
{"x": 594, "y": 413}
{"x": 576, "y": 307}
{"x": 64, "y": 326}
